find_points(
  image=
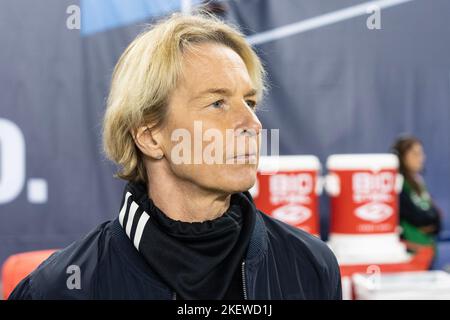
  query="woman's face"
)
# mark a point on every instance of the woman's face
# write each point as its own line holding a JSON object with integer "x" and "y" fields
{"x": 211, "y": 137}
{"x": 415, "y": 158}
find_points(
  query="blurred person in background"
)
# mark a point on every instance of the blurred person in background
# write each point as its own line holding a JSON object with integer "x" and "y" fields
{"x": 419, "y": 217}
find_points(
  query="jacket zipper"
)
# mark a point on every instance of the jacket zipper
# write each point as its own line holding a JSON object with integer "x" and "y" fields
{"x": 244, "y": 282}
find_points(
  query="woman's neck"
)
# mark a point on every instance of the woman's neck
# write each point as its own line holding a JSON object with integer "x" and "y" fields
{"x": 184, "y": 201}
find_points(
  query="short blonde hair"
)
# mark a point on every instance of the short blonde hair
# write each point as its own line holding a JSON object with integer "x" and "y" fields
{"x": 147, "y": 73}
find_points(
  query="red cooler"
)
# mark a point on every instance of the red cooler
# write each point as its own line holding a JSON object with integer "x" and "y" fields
{"x": 287, "y": 189}
{"x": 364, "y": 207}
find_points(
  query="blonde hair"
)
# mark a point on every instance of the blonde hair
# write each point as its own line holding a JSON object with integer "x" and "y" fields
{"x": 147, "y": 73}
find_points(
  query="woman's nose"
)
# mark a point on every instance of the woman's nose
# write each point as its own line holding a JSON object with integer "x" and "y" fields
{"x": 247, "y": 122}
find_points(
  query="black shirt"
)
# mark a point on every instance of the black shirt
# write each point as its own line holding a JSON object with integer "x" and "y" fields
{"x": 199, "y": 260}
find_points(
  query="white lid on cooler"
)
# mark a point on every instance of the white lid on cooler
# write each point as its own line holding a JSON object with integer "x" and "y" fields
{"x": 415, "y": 285}
{"x": 355, "y": 249}
{"x": 362, "y": 161}
{"x": 288, "y": 163}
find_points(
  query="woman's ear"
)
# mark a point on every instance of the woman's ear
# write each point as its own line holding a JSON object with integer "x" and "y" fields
{"x": 149, "y": 142}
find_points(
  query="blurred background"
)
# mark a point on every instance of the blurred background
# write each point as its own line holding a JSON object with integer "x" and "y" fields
{"x": 345, "y": 76}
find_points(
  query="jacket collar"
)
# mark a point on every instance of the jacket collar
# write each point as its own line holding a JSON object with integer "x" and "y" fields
{"x": 257, "y": 247}
{"x": 258, "y": 241}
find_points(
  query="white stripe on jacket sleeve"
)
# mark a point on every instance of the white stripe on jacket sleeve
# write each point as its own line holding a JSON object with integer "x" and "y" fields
{"x": 124, "y": 209}
{"x": 131, "y": 214}
{"x": 140, "y": 229}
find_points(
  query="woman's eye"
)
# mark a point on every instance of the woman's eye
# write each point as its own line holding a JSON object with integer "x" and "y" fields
{"x": 251, "y": 103}
{"x": 218, "y": 104}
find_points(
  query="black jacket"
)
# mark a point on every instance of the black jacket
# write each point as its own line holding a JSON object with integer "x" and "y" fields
{"x": 417, "y": 216}
{"x": 282, "y": 262}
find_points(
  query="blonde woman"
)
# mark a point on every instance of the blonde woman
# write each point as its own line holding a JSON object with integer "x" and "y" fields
{"x": 187, "y": 227}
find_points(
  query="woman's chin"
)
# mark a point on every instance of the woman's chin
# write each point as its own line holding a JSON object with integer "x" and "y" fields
{"x": 241, "y": 180}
